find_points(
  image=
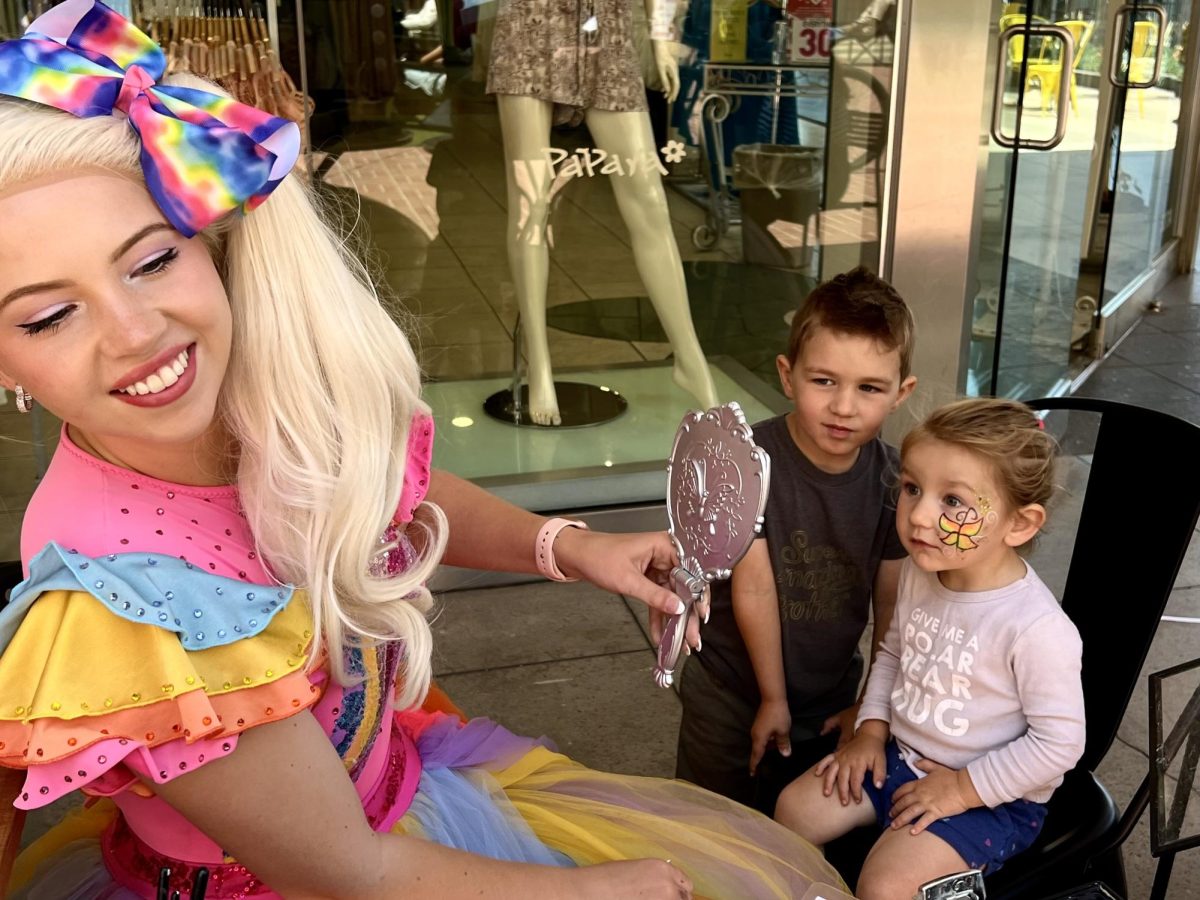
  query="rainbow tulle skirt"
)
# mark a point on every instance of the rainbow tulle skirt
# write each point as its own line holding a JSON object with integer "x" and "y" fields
{"x": 487, "y": 791}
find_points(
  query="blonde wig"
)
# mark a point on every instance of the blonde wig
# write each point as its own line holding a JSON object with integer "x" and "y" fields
{"x": 320, "y": 394}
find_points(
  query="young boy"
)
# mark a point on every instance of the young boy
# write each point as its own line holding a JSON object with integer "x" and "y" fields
{"x": 779, "y": 661}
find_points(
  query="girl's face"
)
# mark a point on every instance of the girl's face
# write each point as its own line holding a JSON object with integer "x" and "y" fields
{"x": 110, "y": 318}
{"x": 953, "y": 518}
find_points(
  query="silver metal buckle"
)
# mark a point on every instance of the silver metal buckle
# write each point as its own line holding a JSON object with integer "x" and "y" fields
{"x": 962, "y": 886}
{"x": 717, "y": 480}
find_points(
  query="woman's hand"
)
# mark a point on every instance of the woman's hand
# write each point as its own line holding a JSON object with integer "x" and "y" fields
{"x": 941, "y": 793}
{"x": 846, "y": 768}
{"x": 636, "y": 565}
{"x": 644, "y": 879}
{"x": 658, "y": 622}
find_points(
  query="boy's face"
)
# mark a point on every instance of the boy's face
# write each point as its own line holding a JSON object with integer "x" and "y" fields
{"x": 842, "y": 387}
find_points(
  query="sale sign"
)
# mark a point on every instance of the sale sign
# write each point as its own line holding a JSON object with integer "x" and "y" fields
{"x": 811, "y": 33}
{"x": 810, "y": 9}
{"x": 810, "y": 40}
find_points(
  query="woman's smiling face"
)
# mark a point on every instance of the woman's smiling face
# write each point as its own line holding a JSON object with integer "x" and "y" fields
{"x": 109, "y": 317}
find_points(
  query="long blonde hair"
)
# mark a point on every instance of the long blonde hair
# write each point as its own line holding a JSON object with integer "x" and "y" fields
{"x": 320, "y": 394}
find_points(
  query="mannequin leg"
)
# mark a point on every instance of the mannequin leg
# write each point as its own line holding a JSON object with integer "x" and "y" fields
{"x": 525, "y": 125}
{"x": 643, "y": 206}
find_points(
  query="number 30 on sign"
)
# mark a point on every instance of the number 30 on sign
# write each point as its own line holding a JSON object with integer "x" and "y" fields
{"x": 810, "y": 40}
{"x": 811, "y": 32}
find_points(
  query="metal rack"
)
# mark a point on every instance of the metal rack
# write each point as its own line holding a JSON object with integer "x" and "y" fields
{"x": 724, "y": 85}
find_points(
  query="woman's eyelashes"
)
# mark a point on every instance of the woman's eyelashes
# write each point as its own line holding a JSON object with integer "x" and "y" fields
{"x": 159, "y": 263}
{"x": 156, "y": 265}
{"x": 49, "y": 324}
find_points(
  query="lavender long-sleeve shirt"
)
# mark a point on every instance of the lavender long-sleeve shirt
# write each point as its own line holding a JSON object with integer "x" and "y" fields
{"x": 985, "y": 681}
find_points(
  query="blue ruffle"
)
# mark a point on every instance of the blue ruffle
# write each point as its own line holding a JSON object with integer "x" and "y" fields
{"x": 205, "y": 610}
{"x": 467, "y": 810}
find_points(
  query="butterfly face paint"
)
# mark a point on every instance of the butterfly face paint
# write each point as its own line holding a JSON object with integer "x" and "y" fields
{"x": 963, "y": 530}
{"x": 960, "y": 532}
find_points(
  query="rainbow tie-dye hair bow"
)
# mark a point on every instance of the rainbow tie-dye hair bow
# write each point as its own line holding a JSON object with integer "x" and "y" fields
{"x": 202, "y": 155}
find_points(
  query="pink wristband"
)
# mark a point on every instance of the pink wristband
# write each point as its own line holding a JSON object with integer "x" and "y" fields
{"x": 543, "y": 548}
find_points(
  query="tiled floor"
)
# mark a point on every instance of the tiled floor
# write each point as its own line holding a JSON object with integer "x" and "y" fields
{"x": 575, "y": 664}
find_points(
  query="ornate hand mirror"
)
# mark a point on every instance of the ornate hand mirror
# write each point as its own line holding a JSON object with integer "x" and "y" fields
{"x": 717, "y": 481}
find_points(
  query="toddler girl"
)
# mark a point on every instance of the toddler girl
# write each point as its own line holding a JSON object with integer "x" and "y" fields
{"x": 974, "y": 707}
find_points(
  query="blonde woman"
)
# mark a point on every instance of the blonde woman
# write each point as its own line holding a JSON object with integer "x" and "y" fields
{"x": 222, "y": 628}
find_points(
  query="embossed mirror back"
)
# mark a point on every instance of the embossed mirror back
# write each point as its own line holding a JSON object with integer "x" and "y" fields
{"x": 716, "y": 490}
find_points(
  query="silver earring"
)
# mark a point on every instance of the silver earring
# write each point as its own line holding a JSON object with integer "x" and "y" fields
{"x": 24, "y": 399}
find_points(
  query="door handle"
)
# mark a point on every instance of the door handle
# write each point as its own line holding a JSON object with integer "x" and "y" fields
{"x": 1120, "y": 23}
{"x": 1067, "y": 62}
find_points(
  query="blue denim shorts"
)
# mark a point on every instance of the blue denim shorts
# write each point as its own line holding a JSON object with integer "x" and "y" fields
{"x": 985, "y": 838}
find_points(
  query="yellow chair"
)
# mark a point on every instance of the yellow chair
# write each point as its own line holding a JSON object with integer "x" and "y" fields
{"x": 1016, "y": 46}
{"x": 1049, "y": 73}
{"x": 1141, "y": 58}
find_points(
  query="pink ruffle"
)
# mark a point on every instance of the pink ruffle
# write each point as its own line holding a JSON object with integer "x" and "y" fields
{"x": 416, "y": 475}
{"x": 111, "y": 766}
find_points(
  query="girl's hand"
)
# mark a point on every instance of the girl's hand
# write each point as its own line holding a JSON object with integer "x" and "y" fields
{"x": 636, "y": 565}
{"x": 772, "y": 723}
{"x": 644, "y": 879}
{"x": 848, "y": 766}
{"x": 939, "y": 794}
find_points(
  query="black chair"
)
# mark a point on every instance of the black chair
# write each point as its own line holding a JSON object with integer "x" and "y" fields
{"x": 1139, "y": 513}
{"x": 1120, "y": 579}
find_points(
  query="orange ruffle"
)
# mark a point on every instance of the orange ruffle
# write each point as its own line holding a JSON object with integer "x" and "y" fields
{"x": 192, "y": 716}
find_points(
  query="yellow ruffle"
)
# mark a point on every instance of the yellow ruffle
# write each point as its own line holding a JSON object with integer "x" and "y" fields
{"x": 593, "y": 817}
{"x": 71, "y": 657}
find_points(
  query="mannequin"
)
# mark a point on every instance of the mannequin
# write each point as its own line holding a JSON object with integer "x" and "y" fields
{"x": 526, "y": 114}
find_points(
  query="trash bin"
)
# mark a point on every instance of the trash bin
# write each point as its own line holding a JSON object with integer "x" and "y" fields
{"x": 780, "y": 190}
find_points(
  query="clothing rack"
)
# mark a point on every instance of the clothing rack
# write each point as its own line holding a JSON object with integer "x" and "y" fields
{"x": 230, "y": 44}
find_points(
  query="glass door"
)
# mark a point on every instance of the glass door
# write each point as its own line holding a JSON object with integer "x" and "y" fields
{"x": 1028, "y": 327}
{"x": 1137, "y": 214}
{"x": 1082, "y": 184}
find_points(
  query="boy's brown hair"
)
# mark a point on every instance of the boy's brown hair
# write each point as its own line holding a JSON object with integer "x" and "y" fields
{"x": 857, "y": 302}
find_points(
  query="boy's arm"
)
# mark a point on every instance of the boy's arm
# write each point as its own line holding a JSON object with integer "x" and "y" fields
{"x": 756, "y": 611}
{"x": 883, "y": 603}
{"x": 883, "y": 607}
{"x": 876, "y": 700}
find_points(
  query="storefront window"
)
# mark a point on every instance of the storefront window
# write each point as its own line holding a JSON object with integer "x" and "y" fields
{"x": 671, "y": 298}
{"x": 636, "y": 257}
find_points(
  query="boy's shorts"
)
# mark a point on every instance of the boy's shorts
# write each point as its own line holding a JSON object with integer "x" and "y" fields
{"x": 985, "y": 838}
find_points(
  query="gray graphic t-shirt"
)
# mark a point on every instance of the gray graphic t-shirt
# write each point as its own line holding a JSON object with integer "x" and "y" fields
{"x": 826, "y": 535}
